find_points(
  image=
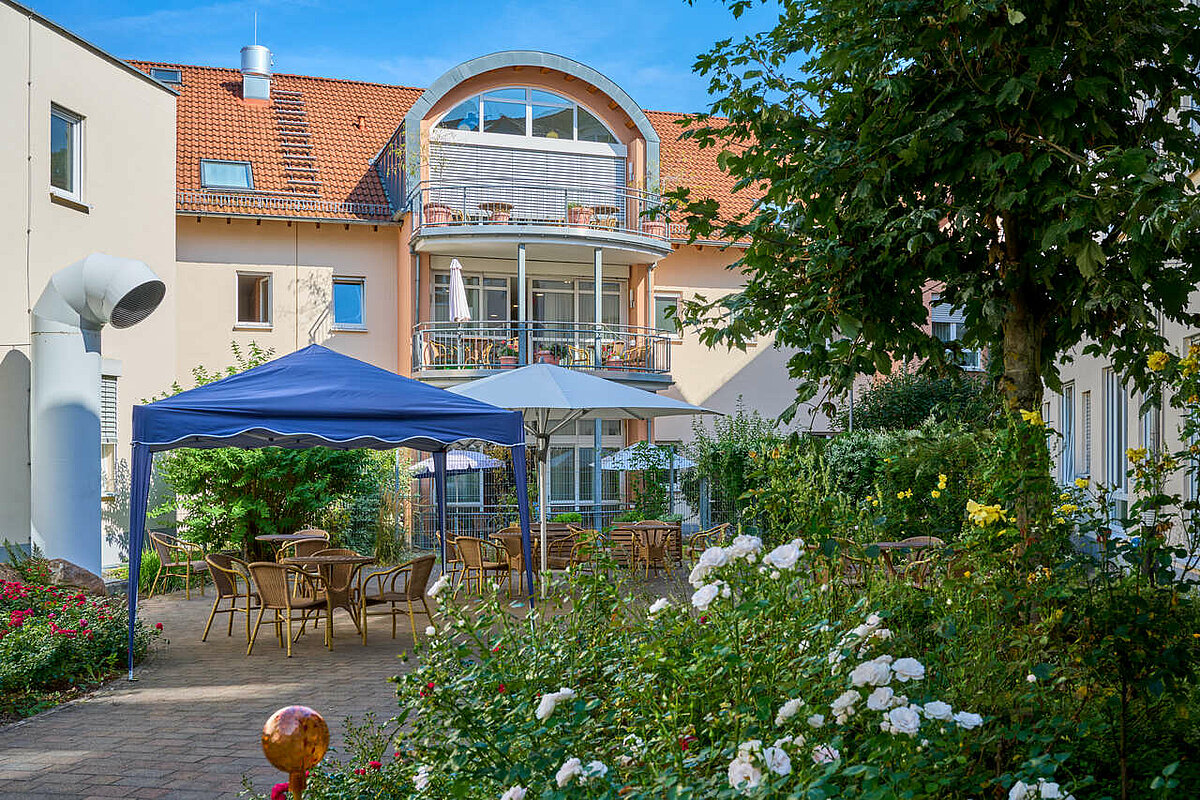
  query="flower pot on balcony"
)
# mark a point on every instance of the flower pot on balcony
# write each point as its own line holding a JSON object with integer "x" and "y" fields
{"x": 500, "y": 216}
{"x": 546, "y": 357}
{"x": 437, "y": 213}
{"x": 579, "y": 215}
{"x": 508, "y": 362}
{"x": 614, "y": 362}
{"x": 655, "y": 227}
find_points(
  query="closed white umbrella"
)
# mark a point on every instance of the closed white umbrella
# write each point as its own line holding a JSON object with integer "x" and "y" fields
{"x": 553, "y": 397}
{"x": 460, "y": 310}
{"x": 645, "y": 456}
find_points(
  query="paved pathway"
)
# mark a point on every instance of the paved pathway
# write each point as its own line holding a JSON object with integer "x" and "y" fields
{"x": 189, "y": 726}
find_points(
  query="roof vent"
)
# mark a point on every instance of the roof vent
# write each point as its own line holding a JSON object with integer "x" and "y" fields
{"x": 256, "y": 72}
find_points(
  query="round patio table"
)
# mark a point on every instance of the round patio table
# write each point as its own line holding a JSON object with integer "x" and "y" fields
{"x": 283, "y": 538}
{"x": 656, "y": 538}
{"x": 887, "y": 548}
{"x": 340, "y": 596}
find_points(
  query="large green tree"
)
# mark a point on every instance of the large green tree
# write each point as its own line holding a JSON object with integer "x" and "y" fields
{"x": 1027, "y": 160}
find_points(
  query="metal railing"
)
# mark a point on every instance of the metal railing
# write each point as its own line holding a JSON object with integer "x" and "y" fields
{"x": 193, "y": 200}
{"x": 505, "y": 345}
{"x": 483, "y": 522}
{"x": 438, "y": 204}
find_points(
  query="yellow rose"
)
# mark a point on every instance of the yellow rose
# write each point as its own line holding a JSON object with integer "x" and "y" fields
{"x": 935, "y": 494}
{"x": 1082, "y": 483}
{"x": 1033, "y": 418}
{"x": 1157, "y": 361}
{"x": 1136, "y": 454}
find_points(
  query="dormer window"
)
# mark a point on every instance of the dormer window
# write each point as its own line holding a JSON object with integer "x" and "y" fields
{"x": 165, "y": 75}
{"x": 527, "y": 112}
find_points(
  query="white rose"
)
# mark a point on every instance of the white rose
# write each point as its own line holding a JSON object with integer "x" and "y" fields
{"x": 1031, "y": 678}
{"x": 904, "y": 720}
{"x": 873, "y": 673}
{"x": 908, "y": 669}
{"x": 421, "y": 779}
{"x": 1022, "y": 791}
{"x": 514, "y": 793}
{"x": 551, "y": 700}
{"x": 874, "y": 620}
{"x": 788, "y": 710}
{"x": 745, "y": 546}
{"x": 709, "y": 560}
{"x": 571, "y": 769}
{"x": 968, "y": 721}
{"x": 438, "y": 586}
{"x": 883, "y": 634}
{"x": 658, "y": 605}
{"x": 777, "y": 760}
{"x": 881, "y": 699}
{"x": 1049, "y": 790}
{"x": 430, "y": 630}
{"x": 816, "y": 721}
{"x": 936, "y": 709}
{"x": 843, "y": 706}
{"x": 750, "y": 747}
{"x": 593, "y": 769}
{"x": 783, "y": 557}
{"x": 704, "y": 596}
{"x": 824, "y": 754}
{"x": 743, "y": 775}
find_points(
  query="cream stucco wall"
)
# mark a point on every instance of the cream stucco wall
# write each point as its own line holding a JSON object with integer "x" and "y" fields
{"x": 128, "y": 186}
{"x": 302, "y": 259}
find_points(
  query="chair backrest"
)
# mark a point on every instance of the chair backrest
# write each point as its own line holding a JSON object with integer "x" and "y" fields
{"x": 302, "y": 547}
{"x": 470, "y": 550}
{"x": 272, "y": 582}
{"x": 418, "y": 577}
{"x": 226, "y": 570}
{"x": 313, "y": 533}
{"x": 164, "y": 545}
{"x": 340, "y": 575}
{"x": 922, "y": 541}
{"x": 451, "y": 551}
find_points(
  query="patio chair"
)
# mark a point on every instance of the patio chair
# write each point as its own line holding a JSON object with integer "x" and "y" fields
{"x": 274, "y": 583}
{"x": 341, "y": 582}
{"x": 177, "y": 559}
{"x": 853, "y": 561}
{"x": 403, "y": 583}
{"x": 481, "y": 558}
{"x": 434, "y": 354}
{"x": 580, "y": 356}
{"x": 511, "y": 549}
{"x": 453, "y": 566}
{"x": 651, "y": 549}
{"x": 301, "y": 547}
{"x": 559, "y": 551}
{"x": 700, "y": 541}
{"x": 227, "y": 573}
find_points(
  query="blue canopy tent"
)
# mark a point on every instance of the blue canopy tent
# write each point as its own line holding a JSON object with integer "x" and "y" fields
{"x": 317, "y": 398}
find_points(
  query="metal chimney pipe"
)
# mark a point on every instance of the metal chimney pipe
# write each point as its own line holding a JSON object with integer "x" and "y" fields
{"x": 65, "y": 396}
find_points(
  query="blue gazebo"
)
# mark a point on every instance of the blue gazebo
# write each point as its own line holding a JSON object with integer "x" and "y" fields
{"x": 317, "y": 398}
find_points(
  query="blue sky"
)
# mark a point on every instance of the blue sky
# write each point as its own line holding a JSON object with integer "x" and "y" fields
{"x": 647, "y": 46}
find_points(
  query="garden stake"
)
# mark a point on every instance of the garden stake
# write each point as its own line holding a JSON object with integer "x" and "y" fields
{"x": 294, "y": 740}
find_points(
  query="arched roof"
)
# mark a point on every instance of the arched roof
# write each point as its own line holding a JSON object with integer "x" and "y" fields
{"x": 529, "y": 58}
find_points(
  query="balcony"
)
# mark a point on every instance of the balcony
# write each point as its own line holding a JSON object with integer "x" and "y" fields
{"x": 446, "y": 353}
{"x": 631, "y": 225}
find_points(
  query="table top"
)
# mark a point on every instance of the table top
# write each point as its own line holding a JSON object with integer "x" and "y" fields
{"x": 905, "y": 545}
{"x": 286, "y": 537}
{"x": 317, "y": 561}
{"x": 649, "y": 526}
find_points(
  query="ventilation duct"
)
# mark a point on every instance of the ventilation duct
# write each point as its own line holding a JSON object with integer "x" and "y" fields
{"x": 65, "y": 396}
{"x": 256, "y": 72}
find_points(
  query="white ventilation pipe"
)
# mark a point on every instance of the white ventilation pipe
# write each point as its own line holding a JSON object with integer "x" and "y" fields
{"x": 65, "y": 397}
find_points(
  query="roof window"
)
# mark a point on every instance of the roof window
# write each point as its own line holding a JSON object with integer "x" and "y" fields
{"x": 166, "y": 75}
{"x": 519, "y": 111}
{"x": 226, "y": 174}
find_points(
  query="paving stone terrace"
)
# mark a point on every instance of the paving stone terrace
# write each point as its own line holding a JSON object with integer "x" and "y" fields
{"x": 188, "y": 728}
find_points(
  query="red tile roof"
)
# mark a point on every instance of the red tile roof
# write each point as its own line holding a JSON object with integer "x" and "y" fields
{"x": 348, "y": 122}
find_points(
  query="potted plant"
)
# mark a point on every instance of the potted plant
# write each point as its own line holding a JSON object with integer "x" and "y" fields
{"x": 437, "y": 213}
{"x": 612, "y": 356}
{"x": 655, "y": 223}
{"x": 579, "y": 214}
{"x": 508, "y": 356}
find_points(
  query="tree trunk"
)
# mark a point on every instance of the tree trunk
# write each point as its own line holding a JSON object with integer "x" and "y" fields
{"x": 1021, "y": 384}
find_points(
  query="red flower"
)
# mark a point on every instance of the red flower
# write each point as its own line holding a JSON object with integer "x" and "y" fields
{"x": 429, "y": 685}
{"x": 500, "y": 688}
{"x": 158, "y": 626}
{"x": 375, "y": 764}
{"x": 360, "y": 771}
{"x": 279, "y": 791}
{"x": 686, "y": 741}
{"x": 396, "y": 754}
{"x": 496, "y": 649}
{"x": 703, "y": 620}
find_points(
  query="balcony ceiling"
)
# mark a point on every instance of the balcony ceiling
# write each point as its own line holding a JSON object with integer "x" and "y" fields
{"x": 543, "y": 243}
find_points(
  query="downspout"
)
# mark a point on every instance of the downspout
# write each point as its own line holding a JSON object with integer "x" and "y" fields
{"x": 65, "y": 397}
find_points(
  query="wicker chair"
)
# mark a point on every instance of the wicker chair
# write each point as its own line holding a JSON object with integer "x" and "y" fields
{"x": 301, "y": 547}
{"x": 274, "y": 583}
{"x": 175, "y": 560}
{"x": 341, "y": 582}
{"x": 652, "y": 549}
{"x": 702, "y": 540}
{"x": 228, "y": 572}
{"x": 481, "y": 558}
{"x": 454, "y": 565}
{"x": 403, "y": 583}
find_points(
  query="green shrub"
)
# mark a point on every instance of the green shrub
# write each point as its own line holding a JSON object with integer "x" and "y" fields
{"x": 567, "y": 516}
{"x": 906, "y": 399}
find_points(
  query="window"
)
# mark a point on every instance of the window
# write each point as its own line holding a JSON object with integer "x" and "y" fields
{"x": 1085, "y": 432}
{"x": 1116, "y": 463}
{"x": 254, "y": 299}
{"x": 108, "y": 434}
{"x": 1151, "y": 416}
{"x": 166, "y": 75}
{"x": 665, "y": 308}
{"x": 949, "y": 325}
{"x": 65, "y": 151}
{"x": 1066, "y": 457}
{"x": 348, "y": 303}
{"x": 226, "y": 174}
{"x": 519, "y": 111}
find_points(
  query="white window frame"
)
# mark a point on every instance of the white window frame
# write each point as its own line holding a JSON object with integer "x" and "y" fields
{"x": 228, "y": 187}
{"x": 939, "y": 312}
{"x": 677, "y": 297}
{"x": 167, "y": 75}
{"x": 1066, "y": 425}
{"x": 1085, "y": 431}
{"x": 362, "y": 286}
{"x": 237, "y": 310}
{"x": 75, "y": 121}
{"x": 1116, "y": 442}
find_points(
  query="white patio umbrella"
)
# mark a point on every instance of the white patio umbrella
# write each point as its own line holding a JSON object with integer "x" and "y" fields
{"x": 645, "y": 456}
{"x": 460, "y": 310}
{"x": 552, "y": 397}
{"x": 458, "y": 462}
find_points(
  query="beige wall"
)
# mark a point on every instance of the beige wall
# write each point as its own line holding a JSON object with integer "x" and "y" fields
{"x": 302, "y": 259}
{"x": 128, "y": 185}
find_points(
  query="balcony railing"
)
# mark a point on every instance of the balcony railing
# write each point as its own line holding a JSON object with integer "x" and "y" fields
{"x": 579, "y": 208}
{"x": 505, "y": 345}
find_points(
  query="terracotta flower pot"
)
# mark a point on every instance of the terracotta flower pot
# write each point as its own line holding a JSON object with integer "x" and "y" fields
{"x": 437, "y": 213}
{"x": 614, "y": 362}
{"x": 500, "y": 216}
{"x": 579, "y": 215}
{"x": 508, "y": 362}
{"x": 655, "y": 227}
{"x": 546, "y": 357}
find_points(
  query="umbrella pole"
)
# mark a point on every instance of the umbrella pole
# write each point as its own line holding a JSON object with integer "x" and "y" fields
{"x": 542, "y": 518}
